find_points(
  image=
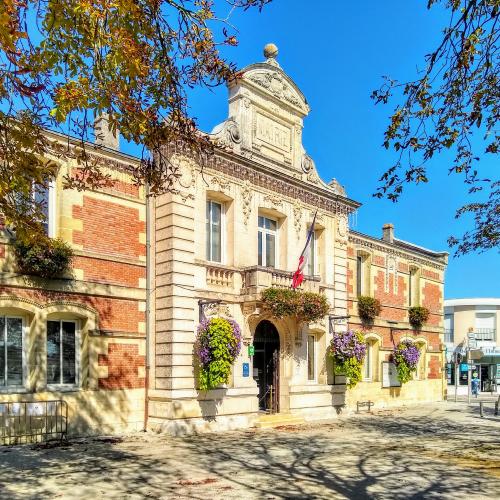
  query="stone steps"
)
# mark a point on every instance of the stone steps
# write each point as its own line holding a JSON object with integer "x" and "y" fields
{"x": 277, "y": 420}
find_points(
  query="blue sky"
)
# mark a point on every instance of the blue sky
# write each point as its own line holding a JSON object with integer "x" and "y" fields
{"x": 337, "y": 53}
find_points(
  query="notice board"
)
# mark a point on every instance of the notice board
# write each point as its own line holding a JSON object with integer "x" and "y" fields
{"x": 389, "y": 375}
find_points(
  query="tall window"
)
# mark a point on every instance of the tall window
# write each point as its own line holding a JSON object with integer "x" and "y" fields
{"x": 359, "y": 275}
{"x": 311, "y": 357}
{"x": 267, "y": 244}
{"x": 413, "y": 288}
{"x": 214, "y": 231}
{"x": 11, "y": 351}
{"x": 311, "y": 263}
{"x": 61, "y": 352}
{"x": 44, "y": 197}
{"x": 367, "y": 367}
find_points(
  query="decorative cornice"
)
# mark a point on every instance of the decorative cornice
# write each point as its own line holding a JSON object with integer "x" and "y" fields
{"x": 406, "y": 254}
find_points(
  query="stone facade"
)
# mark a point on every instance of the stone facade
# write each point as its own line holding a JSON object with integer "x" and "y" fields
{"x": 261, "y": 181}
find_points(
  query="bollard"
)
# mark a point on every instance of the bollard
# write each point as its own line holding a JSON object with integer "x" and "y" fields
{"x": 497, "y": 404}
{"x": 481, "y": 409}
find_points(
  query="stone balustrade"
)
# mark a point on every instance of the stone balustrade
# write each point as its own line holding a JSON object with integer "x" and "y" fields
{"x": 257, "y": 278}
{"x": 220, "y": 276}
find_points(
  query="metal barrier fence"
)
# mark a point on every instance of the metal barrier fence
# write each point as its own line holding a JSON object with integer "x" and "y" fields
{"x": 33, "y": 421}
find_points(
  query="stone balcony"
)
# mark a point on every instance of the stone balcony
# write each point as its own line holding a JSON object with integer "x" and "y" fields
{"x": 258, "y": 278}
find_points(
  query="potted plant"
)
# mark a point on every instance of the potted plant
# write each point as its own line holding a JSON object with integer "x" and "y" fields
{"x": 368, "y": 308}
{"x": 348, "y": 350}
{"x": 406, "y": 357}
{"x": 217, "y": 345}
{"x": 418, "y": 316}
{"x": 306, "y": 306}
{"x": 46, "y": 257}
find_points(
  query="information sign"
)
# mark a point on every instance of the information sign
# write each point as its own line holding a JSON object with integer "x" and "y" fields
{"x": 390, "y": 375}
{"x": 246, "y": 369}
{"x": 251, "y": 350}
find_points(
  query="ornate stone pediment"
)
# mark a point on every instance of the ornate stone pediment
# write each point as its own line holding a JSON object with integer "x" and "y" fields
{"x": 277, "y": 84}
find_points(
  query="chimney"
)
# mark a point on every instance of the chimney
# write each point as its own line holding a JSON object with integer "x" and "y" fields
{"x": 388, "y": 233}
{"x": 103, "y": 134}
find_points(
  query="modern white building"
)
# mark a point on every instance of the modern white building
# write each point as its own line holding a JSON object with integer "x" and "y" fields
{"x": 479, "y": 319}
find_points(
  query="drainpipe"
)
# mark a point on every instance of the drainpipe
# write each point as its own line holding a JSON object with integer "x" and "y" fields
{"x": 148, "y": 305}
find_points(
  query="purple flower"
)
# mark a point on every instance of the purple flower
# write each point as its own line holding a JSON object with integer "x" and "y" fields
{"x": 345, "y": 345}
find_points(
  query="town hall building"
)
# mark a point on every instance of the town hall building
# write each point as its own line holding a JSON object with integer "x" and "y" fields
{"x": 145, "y": 274}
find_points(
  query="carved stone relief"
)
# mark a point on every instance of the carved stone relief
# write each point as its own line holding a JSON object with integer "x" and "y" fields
{"x": 274, "y": 200}
{"x": 297, "y": 218}
{"x": 246, "y": 201}
{"x": 276, "y": 85}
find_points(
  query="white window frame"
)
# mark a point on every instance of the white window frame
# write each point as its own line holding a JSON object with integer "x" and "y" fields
{"x": 51, "y": 209}
{"x": 369, "y": 356}
{"x": 76, "y": 385}
{"x": 314, "y": 380}
{"x": 265, "y": 231}
{"x": 222, "y": 231}
{"x": 314, "y": 255}
{"x": 360, "y": 275}
{"x": 18, "y": 388}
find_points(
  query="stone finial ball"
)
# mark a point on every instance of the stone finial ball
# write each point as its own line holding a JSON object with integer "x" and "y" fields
{"x": 270, "y": 51}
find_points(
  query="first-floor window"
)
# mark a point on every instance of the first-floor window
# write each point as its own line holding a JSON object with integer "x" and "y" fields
{"x": 61, "y": 352}
{"x": 311, "y": 357}
{"x": 311, "y": 263}
{"x": 11, "y": 351}
{"x": 214, "y": 231}
{"x": 267, "y": 234}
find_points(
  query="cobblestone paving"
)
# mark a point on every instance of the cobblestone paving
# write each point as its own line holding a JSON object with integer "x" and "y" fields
{"x": 441, "y": 450}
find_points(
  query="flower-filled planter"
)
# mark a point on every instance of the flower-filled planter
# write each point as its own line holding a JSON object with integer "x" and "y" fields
{"x": 418, "y": 316}
{"x": 368, "y": 308}
{"x": 46, "y": 258}
{"x": 348, "y": 350}
{"x": 405, "y": 357}
{"x": 217, "y": 345}
{"x": 305, "y": 306}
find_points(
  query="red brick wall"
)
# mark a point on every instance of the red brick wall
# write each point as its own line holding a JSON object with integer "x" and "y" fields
{"x": 121, "y": 315}
{"x": 105, "y": 271}
{"x": 435, "y": 369}
{"x": 378, "y": 260}
{"x": 391, "y": 301}
{"x": 123, "y": 362}
{"x": 109, "y": 228}
{"x": 427, "y": 273}
{"x": 432, "y": 299}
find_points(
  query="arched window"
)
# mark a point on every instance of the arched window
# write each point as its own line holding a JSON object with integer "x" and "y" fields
{"x": 370, "y": 363}
{"x": 363, "y": 273}
{"x": 421, "y": 373}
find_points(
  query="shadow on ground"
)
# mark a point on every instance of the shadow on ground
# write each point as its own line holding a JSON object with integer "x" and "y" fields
{"x": 387, "y": 455}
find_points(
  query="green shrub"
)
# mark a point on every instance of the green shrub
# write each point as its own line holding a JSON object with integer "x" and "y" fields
{"x": 306, "y": 306}
{"x": 46, "y": 258}
{"x": 368, "y": 308}
{"x": 418, "y": 316}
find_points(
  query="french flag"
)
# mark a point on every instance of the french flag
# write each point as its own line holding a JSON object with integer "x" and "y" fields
{"x": 298, "y": 275}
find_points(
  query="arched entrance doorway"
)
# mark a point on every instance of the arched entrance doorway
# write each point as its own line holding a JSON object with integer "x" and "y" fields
{"x": 266, "y": 365}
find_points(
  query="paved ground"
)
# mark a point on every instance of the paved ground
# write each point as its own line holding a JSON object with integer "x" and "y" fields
{"x": 435, "y": 451}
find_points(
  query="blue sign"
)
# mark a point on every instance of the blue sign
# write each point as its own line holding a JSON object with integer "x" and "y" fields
{"x": 464, "y": 367}
{"x": 246, "y": 369}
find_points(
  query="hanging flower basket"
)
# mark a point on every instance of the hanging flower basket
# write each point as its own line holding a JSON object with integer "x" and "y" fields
{"x": 348, "y": 350}
{"x": 406, "y": 357}
{"x": 217, "y": 345}
{"x": 305, "y": 306}
{"x": 368, "y": 308}
{"x": 46, "y": 258}
{"x": 418, "y": 316}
